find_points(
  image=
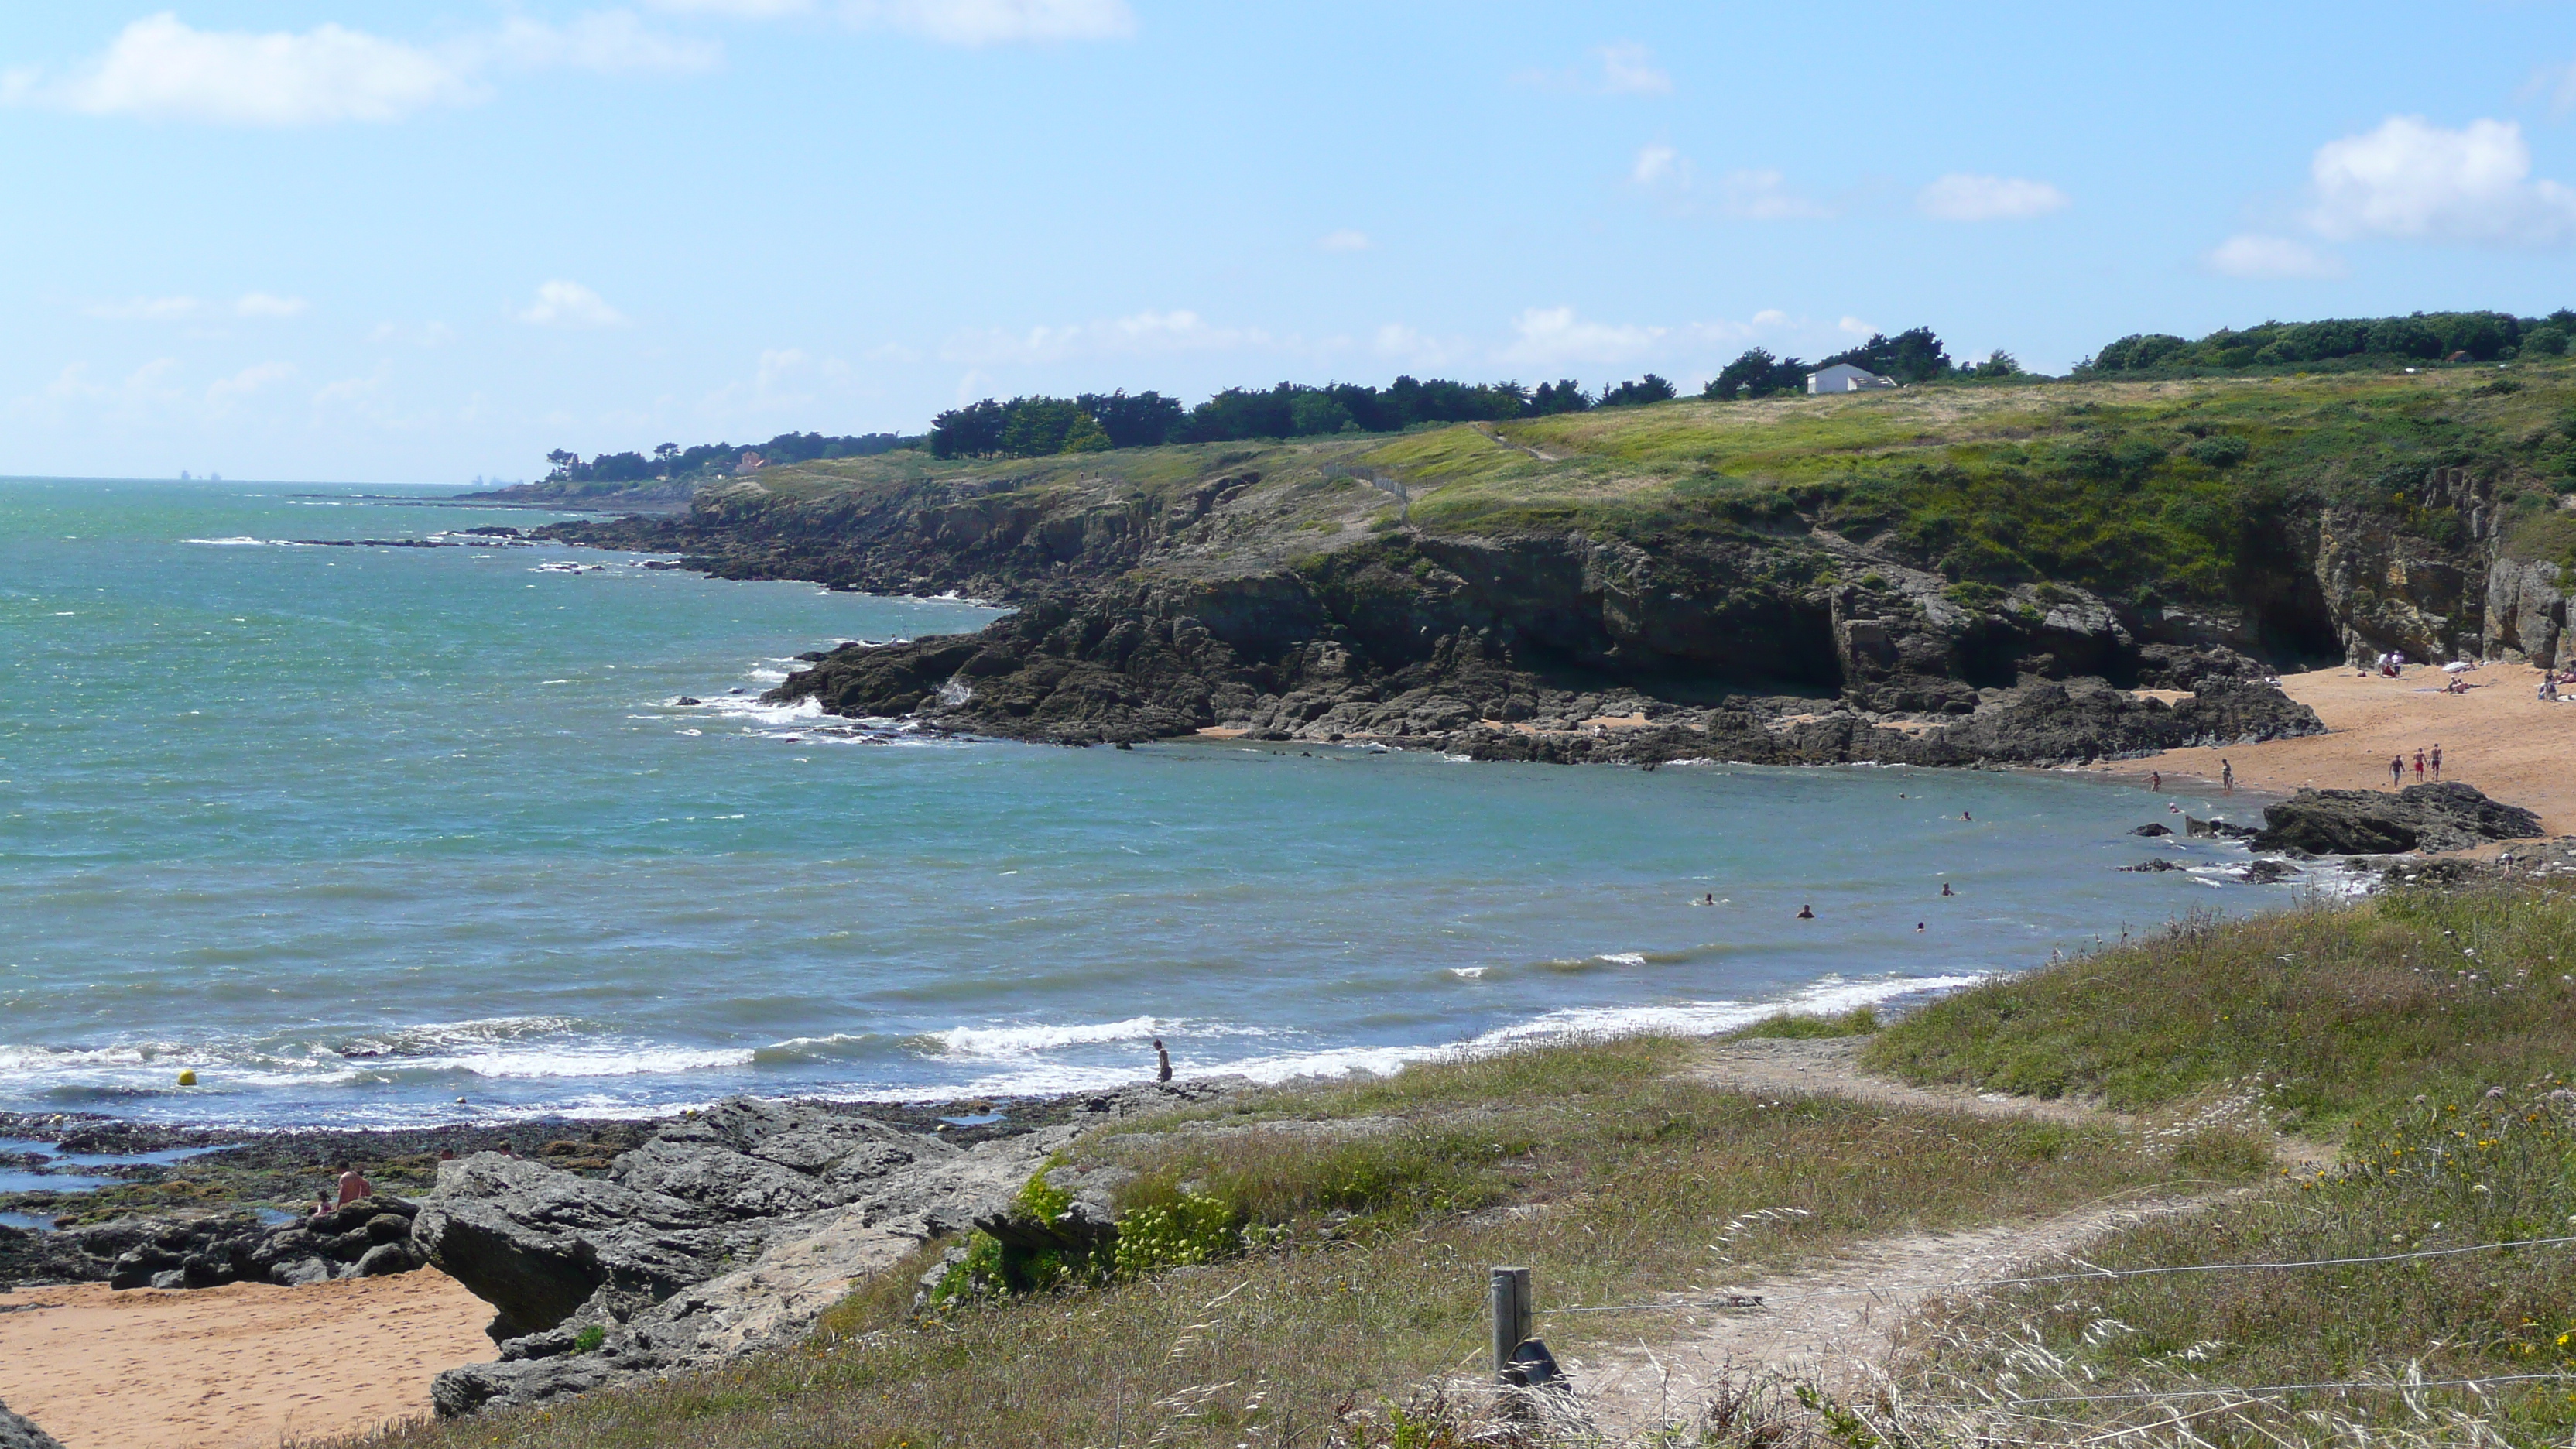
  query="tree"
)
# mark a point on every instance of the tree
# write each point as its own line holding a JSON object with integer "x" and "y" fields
{"x": 1757, "y": 374}
{"x": 1145, "y": 420}
{"x": 1560, "y": 396}
{"x": 563, "y": 462}
{"x": 1647, "y": 389}
{"x": 1085, "y": 436}
{"x": 1998, "y": 363}
{"x": 1914, "y": 355}
{"x": 968, "y": 432}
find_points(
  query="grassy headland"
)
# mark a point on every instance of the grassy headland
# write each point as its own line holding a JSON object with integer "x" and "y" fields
{"x": 1343, "y": 1228}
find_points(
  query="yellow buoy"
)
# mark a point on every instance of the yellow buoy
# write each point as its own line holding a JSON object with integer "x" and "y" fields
{"x": 188, "y": 1077}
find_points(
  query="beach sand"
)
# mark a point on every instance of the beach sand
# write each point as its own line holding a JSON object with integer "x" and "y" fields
{"x": 2498, "y": 737}
{"x": 232, "y": 1368}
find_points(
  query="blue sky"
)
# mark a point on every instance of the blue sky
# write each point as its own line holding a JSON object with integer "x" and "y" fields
{"x": 426, "y": 241}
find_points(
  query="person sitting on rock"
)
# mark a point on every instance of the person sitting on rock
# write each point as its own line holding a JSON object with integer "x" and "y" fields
{"x": 353, "y": 1186}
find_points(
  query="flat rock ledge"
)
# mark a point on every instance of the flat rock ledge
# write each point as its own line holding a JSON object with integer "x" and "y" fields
{"x": 17, "y": 1432}
{"x": 2429, "y": 818}
{"x": 728, "y": 1231}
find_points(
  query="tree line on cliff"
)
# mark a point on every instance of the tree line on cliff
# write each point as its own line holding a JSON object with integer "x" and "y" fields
{"x": 1038, "y": 425}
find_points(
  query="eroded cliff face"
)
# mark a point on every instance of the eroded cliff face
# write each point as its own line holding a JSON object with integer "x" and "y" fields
{"x": 1306, "y": 612}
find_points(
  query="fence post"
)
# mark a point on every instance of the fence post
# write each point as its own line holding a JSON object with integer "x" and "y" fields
{"x": 1511, "y": 1299}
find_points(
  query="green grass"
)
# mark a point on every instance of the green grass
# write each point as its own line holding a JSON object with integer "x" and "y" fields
{"x": 2331, "y": 1013}
{"x": 2171, "y": 490}
{"x": 1596, "y": 1165}
{"x": 1859, "y": 1021}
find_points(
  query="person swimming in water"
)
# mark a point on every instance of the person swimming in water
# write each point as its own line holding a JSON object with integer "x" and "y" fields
{"x": 1945, "y": 889}
{"x": 1806, "y": 912}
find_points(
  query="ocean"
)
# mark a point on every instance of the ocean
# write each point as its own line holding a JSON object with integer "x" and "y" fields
{"x": 381, "y": 835}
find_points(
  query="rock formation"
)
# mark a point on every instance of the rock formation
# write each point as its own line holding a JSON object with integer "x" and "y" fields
{"x": 17, "y": 1432}
{"x": 2449, "y": 816}
{"x": 728, "y": 1230}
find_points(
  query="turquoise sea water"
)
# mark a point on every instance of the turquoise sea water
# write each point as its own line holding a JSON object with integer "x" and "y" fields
{"x": 356, "y": 832}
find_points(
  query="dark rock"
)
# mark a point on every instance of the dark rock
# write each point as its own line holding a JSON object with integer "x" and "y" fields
{"x": 18, "y": 1432}
{"x": 2217, "y": 829}
{"x": 2448, "y": 816}
{"x": 688, "y": 700}
{"x": 2151, "y": 828}
{"x": 382, "y": 1259}
{"x": 2149, "y": 867}
{"x": 536, "y": 1242}
{"x": 2268, "y": 872}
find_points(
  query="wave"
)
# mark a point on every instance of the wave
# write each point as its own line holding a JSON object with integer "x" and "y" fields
{"x": 242, "y": 542}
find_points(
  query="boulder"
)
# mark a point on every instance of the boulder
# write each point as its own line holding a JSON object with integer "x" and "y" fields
{"x": 2151, "y": 829}
{"x": 2150, "y": 867}
{"x": 2217, "y": 830}
{"x": 2448, "y": 816}
{"x": 536, "y": 1243}
{"x": 17, "y": 1432}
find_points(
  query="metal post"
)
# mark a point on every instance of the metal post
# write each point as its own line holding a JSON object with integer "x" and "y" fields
{"x": 1511, "y": 1300}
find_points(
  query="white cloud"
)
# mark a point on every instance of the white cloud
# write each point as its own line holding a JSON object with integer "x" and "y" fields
{"x": 2558, "y": 82}
{"x": 1660, "y": 165}
{"x": 161, "y": 68}
{"x": 1623, "y": 68}
{"x": 223, "y": 392}
{"x": 181, "y": 309}
{"x": 569, "y": 304}
{"x": 1765, "y": 196}
{"x": 1554, "y": 336}
{"x": 1145, "y": 332}
{"x": 996, "y": 22}
{"x": 2253, "y": 255}
{"x": 2416, "y": 181}
{"x": 1345, "y": 240}
{"x": 1962, "y": 197}
{"x": 1408, "y": 347}
{"x": 1628, "y": 68}
{"x": 607, "y": 41}
{"x": 1853, "y": 326}
{"x": 734, "y": 9}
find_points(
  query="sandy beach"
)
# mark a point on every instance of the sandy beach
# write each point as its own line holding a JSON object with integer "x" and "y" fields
{"x": 240, "y": 1367}
{"x": 2499, "y": 737}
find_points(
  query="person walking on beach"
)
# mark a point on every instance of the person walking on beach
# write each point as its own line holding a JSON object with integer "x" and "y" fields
{"x": 1162, "y": 1062}
{"x": 2226, "y": 778}
{"x": 2437, "y": 762}
{"x": 2396, "y": 771}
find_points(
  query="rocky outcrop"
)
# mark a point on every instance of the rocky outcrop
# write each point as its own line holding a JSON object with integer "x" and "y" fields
{"x": 2448, "y": 816}
{"x": 1292, "y": 606}
{"x": 368, "y": 1238}
{"x": 19, "y": 1432}
{"x": 2526, "y": 612}
{"x": 726, "y": 1231}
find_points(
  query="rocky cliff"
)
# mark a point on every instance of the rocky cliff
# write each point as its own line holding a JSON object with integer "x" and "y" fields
{"x": 1365, "y": 589}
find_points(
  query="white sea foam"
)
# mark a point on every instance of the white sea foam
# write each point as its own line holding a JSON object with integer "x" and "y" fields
{"x": 241, "y": 542}
{"x": 1623, "y": 958}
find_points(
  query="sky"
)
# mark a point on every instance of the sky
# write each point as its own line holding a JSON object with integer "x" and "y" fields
{"x": 431, "y": 241}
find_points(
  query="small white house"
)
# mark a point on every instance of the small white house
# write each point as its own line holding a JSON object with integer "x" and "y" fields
{"x": 1843, "y": 377}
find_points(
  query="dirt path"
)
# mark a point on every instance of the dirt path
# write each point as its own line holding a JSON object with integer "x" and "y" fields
{"x": 1834, "y": 1322}
{"x": 232, "y": 1368}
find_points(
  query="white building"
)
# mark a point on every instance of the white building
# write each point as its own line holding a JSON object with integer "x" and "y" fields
{"x": 1843, "y": 377}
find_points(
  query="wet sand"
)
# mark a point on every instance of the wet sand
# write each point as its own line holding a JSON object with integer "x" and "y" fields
{"x": 232, "y": 1368}
{"x": 2498, "y": 737}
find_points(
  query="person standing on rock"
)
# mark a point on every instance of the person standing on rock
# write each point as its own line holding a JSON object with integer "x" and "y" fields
{"x": 1162, "y": 1062}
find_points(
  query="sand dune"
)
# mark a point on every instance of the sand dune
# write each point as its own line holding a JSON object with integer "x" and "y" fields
{"x": 232, "y": 1368}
